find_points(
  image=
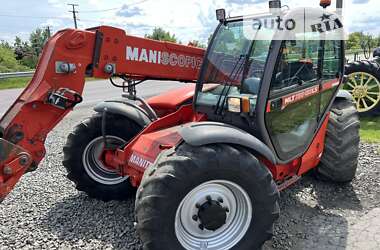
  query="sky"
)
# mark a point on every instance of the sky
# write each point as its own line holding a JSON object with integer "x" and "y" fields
{"x": 187, "y": 19}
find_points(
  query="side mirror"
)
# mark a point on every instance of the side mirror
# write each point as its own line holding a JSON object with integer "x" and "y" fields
{"x": 221, "y": 15}
{"x": 275, "y": 4}
{"x": 275, "y": 7}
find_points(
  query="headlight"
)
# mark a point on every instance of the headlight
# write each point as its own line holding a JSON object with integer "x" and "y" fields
{"x": 239, "y": 104}
{"x": 234, "y": 104}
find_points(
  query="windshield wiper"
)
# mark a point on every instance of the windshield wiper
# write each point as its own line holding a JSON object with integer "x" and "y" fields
{"x": 236, "y": 70}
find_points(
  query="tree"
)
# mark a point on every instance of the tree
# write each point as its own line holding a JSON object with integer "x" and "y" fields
{"x": 8, "y": 62}
{"x": 196, "y": 43}
{"x": 378, "y": 41}
{"x": 20, "y": 48}
{"x": 5, "y": 44}
{"x": 28, "y": 52}
{"x": 161, "y": 35}
{"x": 359, "y": 40}
{"x": 353, "y": 42}
{"x": 37, "y": 40}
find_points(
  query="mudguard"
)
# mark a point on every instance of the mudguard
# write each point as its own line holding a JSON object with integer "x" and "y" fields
{"x": 344, "y": 94}
{"x": 203, "y": 133}
{"x": 128, "y": 110}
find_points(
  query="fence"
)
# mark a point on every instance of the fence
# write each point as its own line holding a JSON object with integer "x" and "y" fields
{"x": 16, "y": 74}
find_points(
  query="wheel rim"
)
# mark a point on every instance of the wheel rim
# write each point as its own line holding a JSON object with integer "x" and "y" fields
{"x": 238, "y": 218}
{"x": 365, "y": 89}
{"x": 95, "y": 168}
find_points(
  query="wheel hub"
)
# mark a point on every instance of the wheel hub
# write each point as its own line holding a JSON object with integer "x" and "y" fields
{"x": 365, "y": 89}
{"x": 95, "y": 167}
{"x": 359, "y": 92}
{"x": 212, "y": 215}
{"x": 216, "y": 214}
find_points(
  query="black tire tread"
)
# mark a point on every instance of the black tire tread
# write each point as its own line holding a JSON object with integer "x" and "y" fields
{"x": 75, "y": 144}
{"x": 340, "y": 157}
{"x": 173, "y": 166}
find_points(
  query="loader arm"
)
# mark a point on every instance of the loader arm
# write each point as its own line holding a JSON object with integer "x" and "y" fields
{"x": 57, "y": 86}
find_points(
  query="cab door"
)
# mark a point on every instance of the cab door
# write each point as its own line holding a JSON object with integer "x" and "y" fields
{"x": 333, "y": 63}
{"x": 294, "y": 106}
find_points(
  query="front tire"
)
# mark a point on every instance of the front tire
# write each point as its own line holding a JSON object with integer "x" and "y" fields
{"x": 213, "y": 197}
{"x": 82, "y": 157}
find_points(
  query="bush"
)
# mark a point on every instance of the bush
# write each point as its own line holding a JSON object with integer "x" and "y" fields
{"x": 8, "y": 62}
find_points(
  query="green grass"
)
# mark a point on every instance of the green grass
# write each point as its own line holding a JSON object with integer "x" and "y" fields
{"x": 14, "y": 83}
{"x": 370, "y": 129}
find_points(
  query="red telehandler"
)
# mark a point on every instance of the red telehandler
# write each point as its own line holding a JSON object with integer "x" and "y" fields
{"x": 207, "y": 160}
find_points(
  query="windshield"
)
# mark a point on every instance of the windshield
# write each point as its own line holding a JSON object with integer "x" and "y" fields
{"x": 234, "y": 59}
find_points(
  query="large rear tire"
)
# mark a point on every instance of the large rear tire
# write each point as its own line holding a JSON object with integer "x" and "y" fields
{"x": 82, "y": 152}
{"x": 340, "y": 157}
{"x": 364, "y": 85}
{"x": 213, "y": 197}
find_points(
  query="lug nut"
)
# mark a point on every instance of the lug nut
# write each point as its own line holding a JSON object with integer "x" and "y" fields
{"x": 201, "y": 227}
{"x": 7, "y": 170}
{"x": 195, "y": 217}
{"x": 208, "y": 198}
{"x": 109, "y": 68}
{"x": 227, "y": 209}
{"x": 220, "y": 199}
{"x": 197, "y": 205}
{"x": 23, "y": 160}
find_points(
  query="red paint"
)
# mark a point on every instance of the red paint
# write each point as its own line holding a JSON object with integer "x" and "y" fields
{"x": 169, "y": 102}
{"x": 268, "y": 108}
{"x": 282, "y": 171}
{"x": 156, "y": 137}
{"x": 14, "y": 169}
{"x": 114, "y": 50}
{"x": 330, "y": 84}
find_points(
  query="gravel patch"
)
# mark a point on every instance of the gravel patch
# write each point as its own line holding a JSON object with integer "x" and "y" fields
{"x": 46, "y": 212}
{"x": 320, "y": 215}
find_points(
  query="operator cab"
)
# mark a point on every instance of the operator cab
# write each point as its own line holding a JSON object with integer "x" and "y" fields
{"x": 275, "y": 84}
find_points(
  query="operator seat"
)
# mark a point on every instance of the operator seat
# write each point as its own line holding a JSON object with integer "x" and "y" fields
{"x": 251, "y": 85}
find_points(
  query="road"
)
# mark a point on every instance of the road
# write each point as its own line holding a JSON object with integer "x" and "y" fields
{"x": 97, "y": 91}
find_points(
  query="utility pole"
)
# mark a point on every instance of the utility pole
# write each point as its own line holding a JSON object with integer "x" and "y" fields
{"x": 339, "y": 4}
{"x": 74, "y": 13}
{"x": 48, "y": 32}
{"x": 339, "y": 7}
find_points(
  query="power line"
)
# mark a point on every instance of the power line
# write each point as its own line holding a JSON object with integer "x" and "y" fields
{"x": 92, "y": 11}
{"x": 99, "y": 21}
{"x": 116, "y": 8}
{"x": 34, "y": 17}
{"x": 74, "y": 13}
